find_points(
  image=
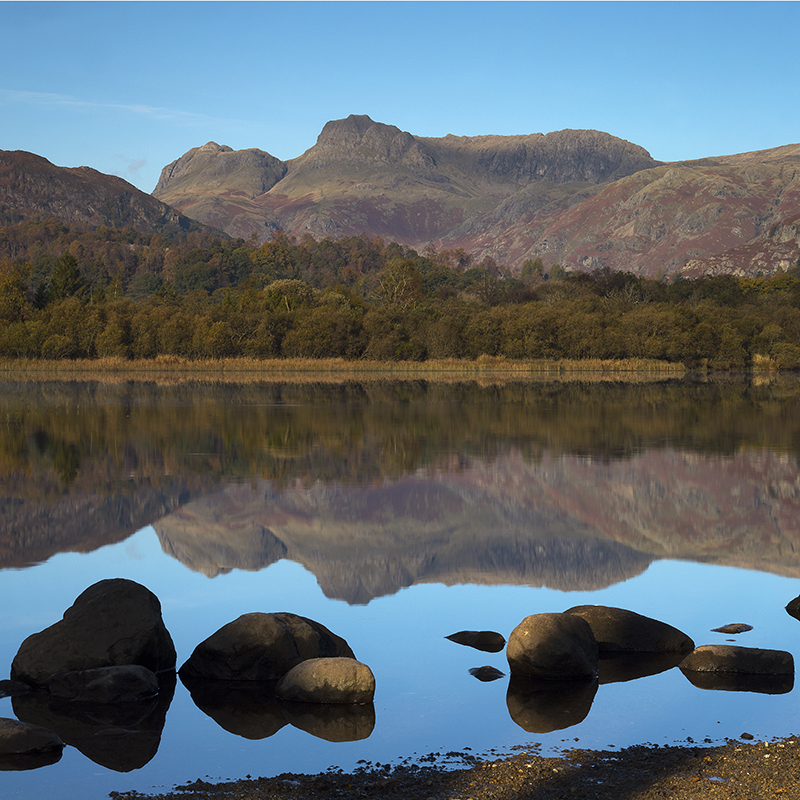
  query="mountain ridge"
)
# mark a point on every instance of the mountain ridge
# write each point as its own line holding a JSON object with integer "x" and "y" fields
{"x": 582, "y": 198}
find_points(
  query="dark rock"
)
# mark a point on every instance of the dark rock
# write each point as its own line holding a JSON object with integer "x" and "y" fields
{"x": 105, "y": 685}
{"x": 246, "y": 708}
{"x": 793, "y": 607}
{"x": 734, "y": 627}
{"x": 487, "y": 641}
{"x": 18, "y": 738}
{"x": 14, "y": 688}
{"x": 618, "y": 630}
{"x": 486, "y": 674}
{"x": 328, "y": 680}
{"x": 115, "y": 622}
{"x": 121, "y": 737}
{"x": 621, "y": 667}
{"x": 738, "y": 660}
{"x": 262, "y": 647}
{"x": 539, "y": 706}
{"x": 334, "y": 723}
{"x": 552, "y": 646}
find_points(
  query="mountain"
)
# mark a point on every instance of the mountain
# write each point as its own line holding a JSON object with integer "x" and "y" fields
{"x": 581, "y": 198}
{"x": 31, "y": 188}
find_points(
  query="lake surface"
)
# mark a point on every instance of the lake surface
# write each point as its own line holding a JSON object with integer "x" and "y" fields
{"x": 397, "y": 513}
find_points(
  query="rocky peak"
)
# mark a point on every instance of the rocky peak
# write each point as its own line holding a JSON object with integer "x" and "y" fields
{"x": 220, "y": 168}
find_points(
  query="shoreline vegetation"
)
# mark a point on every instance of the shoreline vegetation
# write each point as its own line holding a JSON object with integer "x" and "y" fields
{"x": 738, "y": 770}
{"x": 174, "y": 368}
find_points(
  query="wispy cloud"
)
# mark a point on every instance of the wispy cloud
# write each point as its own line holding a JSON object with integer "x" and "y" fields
{"x": 12, "y": 96}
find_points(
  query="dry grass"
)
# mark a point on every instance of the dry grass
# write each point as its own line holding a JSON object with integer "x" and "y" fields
{"x": 175, "y": 369}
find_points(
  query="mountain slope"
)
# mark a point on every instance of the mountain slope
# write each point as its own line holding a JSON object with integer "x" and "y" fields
{"x": 31, "y": 187}
{"x": 585, "y": 199}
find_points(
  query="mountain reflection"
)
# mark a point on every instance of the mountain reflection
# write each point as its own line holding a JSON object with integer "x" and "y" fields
{"x": 377, "y": 486}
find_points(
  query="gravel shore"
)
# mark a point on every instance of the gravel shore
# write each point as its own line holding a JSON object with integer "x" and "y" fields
{"x": 739, "y": 770}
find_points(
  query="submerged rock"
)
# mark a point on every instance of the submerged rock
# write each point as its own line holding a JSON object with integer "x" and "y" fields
{"x": 486, "y": 674}
{"x": 486, "y": 641}
{"x": 553, "y": 647}
{"x": 328, "y": 680}
{"x": 115, "y": 622}
{"x": 262, "y": 647}
{"x": 618, "y": 630}
{"x": 734, "y": 627}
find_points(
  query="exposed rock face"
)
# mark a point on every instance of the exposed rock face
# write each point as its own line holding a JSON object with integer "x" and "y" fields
{"x": 262, "y": 647}
{"x": 552, "y": 647}
{"x": 31, "y": 187}
{"x": 733, "y": 659}
{"x": 115, "y": 622}
{"x": 617, "y": 630}
{"x": 328, "y": 680}
{"x": 105, "y": 685}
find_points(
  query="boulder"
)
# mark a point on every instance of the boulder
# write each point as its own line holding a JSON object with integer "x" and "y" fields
{"x": 727, "y": 658}
{"x": 553, "y": 647}
{"x": 618, "y": 630}
{"x": 105, "y": 685}
{"x": 17, "y": 738}
{"x": 328, "y": 680}
{"x": 14, "y": 688}
{"x": 262, "y": 647}
{"x": 486, "y": 641}
{"x": 115, "y": 622}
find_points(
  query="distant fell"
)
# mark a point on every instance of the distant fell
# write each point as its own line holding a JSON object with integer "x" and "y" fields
{"x": 582, "y": 198}
{"x": 33, "y": 188}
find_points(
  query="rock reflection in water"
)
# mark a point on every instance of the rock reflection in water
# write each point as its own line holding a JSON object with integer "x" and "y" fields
{"x": 741, "y": 682}
{"x": 246, "y": 708}
{"x": 630, "y": 666}
{"x": 540, "y": 706}
{"x": 17, "y": 762}
{"x": 121, "y": 737}
{"x": 251, "y": 710}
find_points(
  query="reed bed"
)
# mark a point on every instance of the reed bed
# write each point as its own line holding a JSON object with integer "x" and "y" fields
{"x": 173, "y": 369}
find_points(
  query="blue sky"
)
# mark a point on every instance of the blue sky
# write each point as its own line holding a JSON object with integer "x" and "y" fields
{"x": 127, "y": 88}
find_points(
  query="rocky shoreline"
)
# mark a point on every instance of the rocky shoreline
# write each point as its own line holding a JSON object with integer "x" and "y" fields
{"x": 740, "y": 770}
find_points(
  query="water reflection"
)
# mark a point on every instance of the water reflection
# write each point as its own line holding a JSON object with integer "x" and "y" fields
{"x": 385, "y": 494}
{"x": 120, "y": 737}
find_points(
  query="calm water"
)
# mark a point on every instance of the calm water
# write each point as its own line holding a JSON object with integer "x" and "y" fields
{"x": 396, "y": 514}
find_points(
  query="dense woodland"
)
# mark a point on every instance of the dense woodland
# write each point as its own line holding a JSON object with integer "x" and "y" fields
{"x": 71, "y": 291}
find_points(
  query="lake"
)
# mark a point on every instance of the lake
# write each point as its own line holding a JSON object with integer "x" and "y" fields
{"x": 396, "y": 513}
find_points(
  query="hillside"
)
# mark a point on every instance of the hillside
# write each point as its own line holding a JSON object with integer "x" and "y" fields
{"x": 584, "y": 199}
{"x": 32, "y": 188}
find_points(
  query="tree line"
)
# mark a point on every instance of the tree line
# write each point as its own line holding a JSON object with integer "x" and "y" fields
{"x": 70, "y": 291}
